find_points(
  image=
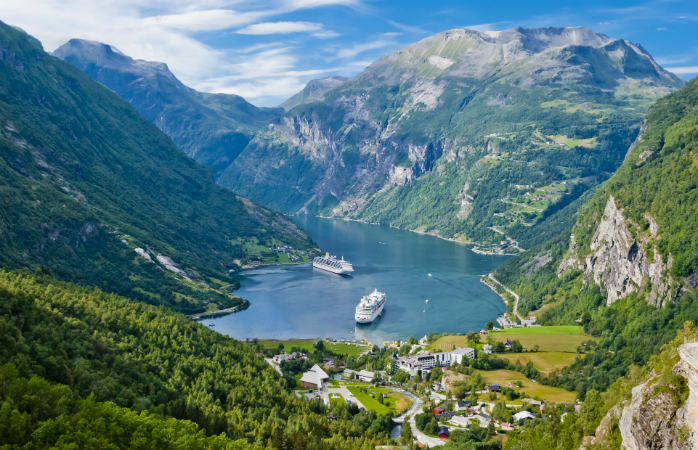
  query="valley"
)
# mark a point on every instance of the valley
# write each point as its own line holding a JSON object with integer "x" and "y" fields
{"x": 526, "y": 198}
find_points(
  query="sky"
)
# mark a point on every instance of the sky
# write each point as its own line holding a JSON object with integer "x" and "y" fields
{"x": 267, "y": 50}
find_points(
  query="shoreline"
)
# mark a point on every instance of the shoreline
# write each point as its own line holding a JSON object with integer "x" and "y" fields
{"x": 472, "y": 246}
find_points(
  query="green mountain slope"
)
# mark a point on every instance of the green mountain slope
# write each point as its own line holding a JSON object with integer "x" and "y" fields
{"x": 479, "y": 136}
{"x": 80, "y": 348}
{"x": 211, "y": 128}
{"x": 467, "y": 134}
{"x": 628, "y": 270}
{"x": 96, "y": 194}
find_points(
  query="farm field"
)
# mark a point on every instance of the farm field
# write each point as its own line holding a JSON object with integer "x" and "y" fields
{"x": 532, "y": 389}
{"x": 544, "y": 362}
{"x": 561, "y": 338}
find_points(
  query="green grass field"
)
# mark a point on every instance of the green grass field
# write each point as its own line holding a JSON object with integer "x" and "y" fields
{"x": 345, "y": 348}
{"x": 394, "y": 404}
{"x": 545, "y": 362}
{"x": 560, "y": 338}
{"x": 336, "y": 399}
{"x": 534, "y": 390}
{"x": 305, "y": 345}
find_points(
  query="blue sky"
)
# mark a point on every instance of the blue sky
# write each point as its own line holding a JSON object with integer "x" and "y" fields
{"x": 267, "y": 50}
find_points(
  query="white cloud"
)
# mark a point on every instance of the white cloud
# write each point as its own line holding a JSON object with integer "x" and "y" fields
{"x": 165, "y": 30}
{"x": 280, "y": 28}
{"x": 357, "y": 49}
{"x": 683, "y": 70}
{"x": 204, "y": 20}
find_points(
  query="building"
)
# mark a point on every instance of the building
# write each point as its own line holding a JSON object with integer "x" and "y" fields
{"x": 349, "y": 374}
{"x": 443, "y": 432}
{"x": 463, "y": 405}
{"x": 287, "y": 357}
{"x": 414, "y": 363}
{"x": 487, "y": 348}
{"x": 439, "y": 410}
{"x": 494, "y": 388}
{"x": 458, "y": 354}
{"x": 366, "y": 376}
{"x": 315, "y": 378}
{"x": 523, "y": 415}
{"x": 508, "y": 344}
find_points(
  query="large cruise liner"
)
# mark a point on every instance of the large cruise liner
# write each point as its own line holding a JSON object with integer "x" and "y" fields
{"x": 370, "y": 307}
{"x": 332, "y": 264}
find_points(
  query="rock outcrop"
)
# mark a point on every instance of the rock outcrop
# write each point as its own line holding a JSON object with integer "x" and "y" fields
{"x": 619, "y": 262}
{"x": 653, "y": 420}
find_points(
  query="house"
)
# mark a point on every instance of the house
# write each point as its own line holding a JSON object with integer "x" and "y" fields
{"x": 508, "y": 344}
{"x": 349, "y": 374}
{"x": 523, "y": 415}
{"x": 315, "y": 378}
{"x": 494, "y": 387}
{"x": 424, "y": 340}
{"x": 446, "y": 415}
{"x": 443, "y": 432}
{"x": 461, "y": 421}
{"x": 463, "y": 405}
{"x": 458, "y": 354}
{"x": 487, "y": 348}
{"x": 437, "y": 387}
{"x": 366, "y": 376}
{"x": 439, "y": 410}
{"x": 328, "y": 362}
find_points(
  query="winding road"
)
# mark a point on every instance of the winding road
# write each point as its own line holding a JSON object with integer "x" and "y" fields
{"x": 409, "y": 415}
{"x": 514, "y": 294}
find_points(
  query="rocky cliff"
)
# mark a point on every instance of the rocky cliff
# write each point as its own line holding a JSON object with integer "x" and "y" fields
{"x": 619, "y": 261}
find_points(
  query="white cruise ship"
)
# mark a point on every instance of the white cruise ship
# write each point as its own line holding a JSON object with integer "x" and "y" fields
{"x": 370, "y": 307}
{"x": 332, "y": 264}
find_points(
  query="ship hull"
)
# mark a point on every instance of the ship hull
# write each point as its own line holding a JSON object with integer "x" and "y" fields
{"x": 366, "y": 318}
{"x": 337, "y": 270}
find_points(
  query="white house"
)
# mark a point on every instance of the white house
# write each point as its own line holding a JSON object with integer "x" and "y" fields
{"x": 366, "y": 376}
{"x": 523, "y": 415}
{"x": 487, "y": 348}
{"x": 314, "y": 378}
{"x": 349, "y": 374}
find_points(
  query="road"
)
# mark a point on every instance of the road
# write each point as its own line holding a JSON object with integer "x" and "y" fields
{"x": 513, "y": 294}
{"x": 409, "y": 415}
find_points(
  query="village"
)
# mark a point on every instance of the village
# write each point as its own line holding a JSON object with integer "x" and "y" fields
{"x": 438, "y": 384}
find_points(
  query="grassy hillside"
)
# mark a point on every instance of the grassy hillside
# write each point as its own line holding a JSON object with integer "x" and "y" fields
{"x": 94, "y": 193}
{"x": 137, "y": 367}
{"x": 656, "y": 189}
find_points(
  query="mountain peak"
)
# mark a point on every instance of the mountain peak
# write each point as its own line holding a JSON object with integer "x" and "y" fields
{"x": 313, "y": 91}
{"x": 82, "y": 53}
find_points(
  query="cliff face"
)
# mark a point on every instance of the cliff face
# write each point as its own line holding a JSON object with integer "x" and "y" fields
{"x": 619, "y": 261}
{"x": 653, "y": 420}
{"x": 658, "y": 414}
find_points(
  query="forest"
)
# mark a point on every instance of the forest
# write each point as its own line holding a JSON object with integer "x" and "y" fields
{"x": 139, "y": 367}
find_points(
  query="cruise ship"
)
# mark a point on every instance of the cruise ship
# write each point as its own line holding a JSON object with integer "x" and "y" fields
{"x": 370, "y": 307}
{"x": 332, "y": 264}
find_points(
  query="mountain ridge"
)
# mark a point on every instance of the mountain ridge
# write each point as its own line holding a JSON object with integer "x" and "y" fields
{"x": 96, "y": 194}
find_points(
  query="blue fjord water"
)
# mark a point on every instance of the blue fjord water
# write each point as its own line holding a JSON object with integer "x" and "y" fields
{"x": 299, "y": 301}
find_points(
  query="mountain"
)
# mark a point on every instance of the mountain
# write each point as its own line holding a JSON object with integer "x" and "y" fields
{"x": 628, "y": 271}
{"x": 636, "y": 236}
{"x": 211, "y": 128}
{"x": 96, "y": 194}
{"x": 313, "y": 91}
{"x": 468, "y": 135}
{"x": 475, "y": 136}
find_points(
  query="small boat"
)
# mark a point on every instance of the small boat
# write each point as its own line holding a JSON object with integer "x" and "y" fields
{"x": 211, "y": 324}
